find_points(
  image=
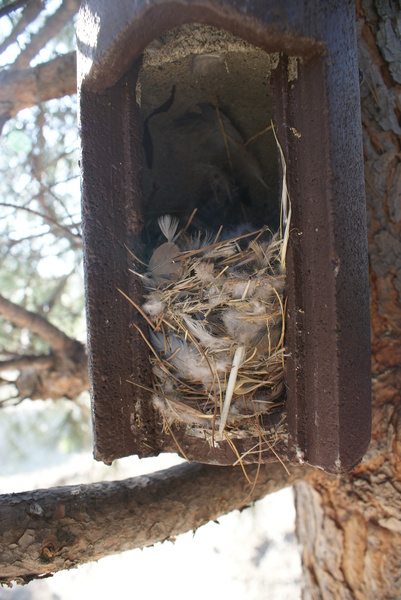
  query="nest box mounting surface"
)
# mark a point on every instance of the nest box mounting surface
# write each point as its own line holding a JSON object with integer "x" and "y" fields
{"x": 307, "y": 54}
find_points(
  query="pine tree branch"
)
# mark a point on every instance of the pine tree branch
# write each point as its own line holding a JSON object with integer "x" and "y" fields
{"x": 49, "y": 530}
{"x": 21, "y": 317}
{"x": 29, "y": 14}
{"x": 75, "y": 237}
{"x": 50, "y": 29}
{"x": 12, "y": 6}
{"x": 28, "y": 87}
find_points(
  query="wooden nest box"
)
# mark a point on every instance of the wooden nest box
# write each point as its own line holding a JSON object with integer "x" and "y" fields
{"x": 149, "y": 74}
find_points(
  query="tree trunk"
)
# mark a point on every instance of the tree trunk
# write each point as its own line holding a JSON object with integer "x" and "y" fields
{"x": 49, "y": 530}
{"x": 350, "y": 527}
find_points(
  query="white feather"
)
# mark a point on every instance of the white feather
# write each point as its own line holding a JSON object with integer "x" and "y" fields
{"x": 206, "y": 339}
{"x": 186, "y": 359}
{"x": 237, "y": 287}
{"x": 215, "y": 296}
{"x": 168, "y": 226}
{"x": 154, "y": 306}
{"x": 204, "y": 271}
{"x": 246, "y": 326}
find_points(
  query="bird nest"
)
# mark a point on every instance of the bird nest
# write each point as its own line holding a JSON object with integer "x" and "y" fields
{"x": 215, "y": 310}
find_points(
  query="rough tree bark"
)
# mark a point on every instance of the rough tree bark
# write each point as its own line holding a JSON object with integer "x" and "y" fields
{"x": 350, "y": 527}
{"x": 49, "y": 530}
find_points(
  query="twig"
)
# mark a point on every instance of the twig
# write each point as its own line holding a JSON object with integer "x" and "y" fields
{"x": 189, "y": 221}
{"x": 52, "y": 25}
{"x": 13, "y": 6}
{"x": 44, "y": 217}
{"x": 29, "y": 14}
{"x": 254, "y": 137}
{"x": 189, "y": 253}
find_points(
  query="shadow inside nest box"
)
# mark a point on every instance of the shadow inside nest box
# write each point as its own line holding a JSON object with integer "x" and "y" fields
{"x": 206, "y": 110}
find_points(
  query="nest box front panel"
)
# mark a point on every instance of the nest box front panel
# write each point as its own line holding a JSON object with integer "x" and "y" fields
{"x": 188, "y": 126}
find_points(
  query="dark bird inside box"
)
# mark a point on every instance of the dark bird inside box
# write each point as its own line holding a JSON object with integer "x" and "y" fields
{"x": 206, "y": 109}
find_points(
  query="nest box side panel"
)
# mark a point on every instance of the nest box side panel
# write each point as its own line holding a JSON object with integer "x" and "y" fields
{"x": 328, "y": 335}
{"x": 112, "y": 220}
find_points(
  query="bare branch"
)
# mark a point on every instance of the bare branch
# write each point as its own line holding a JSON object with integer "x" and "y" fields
{"x": 48, "y": 219}
{"x": 29, "y": 14}
{"x": 21, "y": 317}
{"x": 59, "y": 201}
{"x": 12, "y": 6}
{"x": 75, "y": 524}
{"x": 55, "y": 294}
{"x": 45, "y": 361}
{"x": 10, "y": 401}
{"x": 50, "y": 29}
{"x": 28, "y": 87}
{"x": 14, "y": 242}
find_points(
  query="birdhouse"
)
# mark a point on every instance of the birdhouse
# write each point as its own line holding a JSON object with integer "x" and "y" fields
{"x": 197, "y": 117}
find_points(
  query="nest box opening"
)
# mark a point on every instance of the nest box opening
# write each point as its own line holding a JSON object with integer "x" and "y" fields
{"x": 206, "y": 111}
{"x": 210, "y": 168}
{"x": 169, "y": 107}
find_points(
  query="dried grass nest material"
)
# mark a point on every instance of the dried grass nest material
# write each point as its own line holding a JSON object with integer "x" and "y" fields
{"x": 215, "y": 311}
{"x": 216, "y": 316}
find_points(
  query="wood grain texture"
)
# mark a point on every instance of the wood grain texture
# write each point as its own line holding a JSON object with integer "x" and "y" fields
{"x": 49, "y": 530}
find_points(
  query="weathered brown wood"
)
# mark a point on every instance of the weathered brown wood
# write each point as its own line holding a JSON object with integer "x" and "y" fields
{"x": 318, "y": 121}
{"x": 49, "y": 530}
{"x": 350, "y": 527}
{"x": 327, "y": 327}
{"x": 112, "y": 218}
